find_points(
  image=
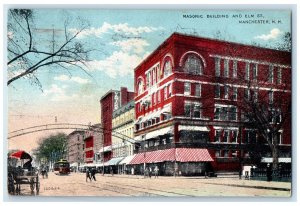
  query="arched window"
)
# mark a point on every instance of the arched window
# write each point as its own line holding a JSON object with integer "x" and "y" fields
{"x": 193, "y": 65}
{"x": 167, "y": 68}
{"x": 140, "y": 87}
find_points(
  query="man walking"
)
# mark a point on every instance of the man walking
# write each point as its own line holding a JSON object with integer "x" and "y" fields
{"x": 88, "y": 174}
{"x": 93, "y": 173}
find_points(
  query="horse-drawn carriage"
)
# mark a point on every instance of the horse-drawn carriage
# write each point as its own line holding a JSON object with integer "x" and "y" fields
{"x": 26, "y": 175}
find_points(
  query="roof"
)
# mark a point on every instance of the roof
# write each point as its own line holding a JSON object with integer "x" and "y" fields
{"x": 124, "y": 109}
{"x": 174, "y": 37}
{"x": 107, "y": 93}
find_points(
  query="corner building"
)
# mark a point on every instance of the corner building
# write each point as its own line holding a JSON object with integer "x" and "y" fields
{"x": 188, "y": 119}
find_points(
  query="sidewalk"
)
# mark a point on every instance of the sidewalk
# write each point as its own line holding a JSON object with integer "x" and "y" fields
{"x": 232, "y": 181}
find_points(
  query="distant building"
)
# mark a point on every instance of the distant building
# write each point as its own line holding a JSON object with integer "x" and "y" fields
{"x": 93, "y": 141}
{"x": 186, "y": 103}
{"x": 109, "y": 103}
{"x": 122, "y": 138}
{"x": 75, "y": 145}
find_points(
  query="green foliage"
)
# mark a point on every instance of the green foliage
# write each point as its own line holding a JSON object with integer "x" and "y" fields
{"x": 52, "y": 148}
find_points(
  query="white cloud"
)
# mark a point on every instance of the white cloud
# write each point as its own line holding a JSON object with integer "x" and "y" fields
{"x": 117, "y": 28}
{"x": 122, "y": 62}
{"x": 119, "y": 63}
{"x": 132, "y": 45}
{"x": 58, "y": 93}
{"x": 274, "y": 33}
{"x": 78, "y": 80}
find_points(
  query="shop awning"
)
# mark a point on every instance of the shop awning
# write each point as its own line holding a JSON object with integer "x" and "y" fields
{"x": 114, "y": 161}
{"x": 193, "y": 128}
{"x": 178, "y": 154}
{"x": 280, "y": 160}
{"x": 193, "y": 155}
{"x": 159, "y": 132}
{"x": 127, "y": 159}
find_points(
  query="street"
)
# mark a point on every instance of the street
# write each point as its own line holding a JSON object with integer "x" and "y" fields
{"x": 126, "y": 185}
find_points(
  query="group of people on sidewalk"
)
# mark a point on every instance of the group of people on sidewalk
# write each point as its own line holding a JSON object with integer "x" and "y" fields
{"x": 90, "y": 174}
{"x": 148, "y": 172}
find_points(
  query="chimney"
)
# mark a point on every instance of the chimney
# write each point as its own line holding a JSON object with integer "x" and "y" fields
{"x": 124, "y": 93}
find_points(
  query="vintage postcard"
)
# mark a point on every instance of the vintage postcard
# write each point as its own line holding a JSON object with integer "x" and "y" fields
{"x": 139, "y": 103}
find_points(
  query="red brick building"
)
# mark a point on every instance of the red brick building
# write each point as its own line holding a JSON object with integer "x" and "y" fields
{"x": 110, "y": 102}
{"x": 189, "y": 94}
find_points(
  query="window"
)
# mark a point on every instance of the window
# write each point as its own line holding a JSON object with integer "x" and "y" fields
{"x": 187, "y": 88}
{"x": 198, "y": 90}
{"x": 226, "y": 92}
{"x": 255, "y": 70}
{"x": 271, "y": 97}
{"x": 247, "y": 94}
{"x": 193, "y": 65}
{"x": 197, "y": 110}
{"x": 234, "y": 93}
{"x": 158, "y": 96}
{"x": 217, "y": 66}
{"x": 247, "y": 71}
{"x": 192, "y": 109}
{"x": 233, "y": 113}
{"x": 271, "y": 74}
{"x": 167, "y": 68}
{"x": 170, "y": 90}
{"x": 217, "y": 91}
{"x": 154, "y": 76}
{"x": 279, "y": 75}
{"x": 234, "y": 72}
{"x": 250, "y": 137}
{"x": 255, "y": 96}
{"x": 165, "y": 92}
{"x": 218, "y": 134}
{"x": 226, "y": 112}
{"x": 226, "y": 136}
{"x": 226, "y": 68}
{"x": 217, "y": 113}
{"x": 234, "y": 136}
{"x": 140, "y": 87}
{"x": 148, "y": 77}
{"x": 187, "y": 109}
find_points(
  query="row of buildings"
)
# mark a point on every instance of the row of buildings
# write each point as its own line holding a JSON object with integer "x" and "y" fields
{"x": 191, "y": 111}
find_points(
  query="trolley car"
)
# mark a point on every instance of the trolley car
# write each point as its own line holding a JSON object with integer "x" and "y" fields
{"x": 62, "y": 167}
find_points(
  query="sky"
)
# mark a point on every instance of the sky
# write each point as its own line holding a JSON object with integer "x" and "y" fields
{"x": 120, "y": 40}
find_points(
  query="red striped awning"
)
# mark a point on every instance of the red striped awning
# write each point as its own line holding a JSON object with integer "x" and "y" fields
{"x": 178, "y": 154}
{"x": 193, "y": 155}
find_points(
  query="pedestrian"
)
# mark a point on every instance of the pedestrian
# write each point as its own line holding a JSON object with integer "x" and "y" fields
{"x": 111, "y": 171}
{"x": 132, "y": 171}
{"x": 146, "y": 172}
{"x": 150, "y": 172}
{"x": 88, "y": 175}
{"x": 156, "y": 172}
{"x": 93, "y": 173}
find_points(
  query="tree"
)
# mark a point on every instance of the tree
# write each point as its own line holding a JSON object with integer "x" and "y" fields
{"x": 286, "y": 42}
{"x": 52, "y": 148}
{"x": 27, "y": 52}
